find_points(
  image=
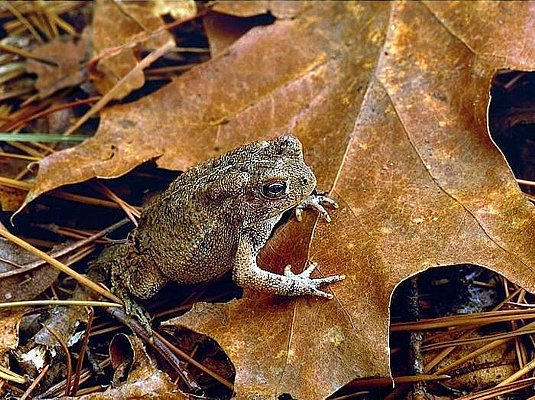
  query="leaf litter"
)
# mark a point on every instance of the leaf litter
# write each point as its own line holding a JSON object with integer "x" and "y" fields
{"x": 374, "y": 93}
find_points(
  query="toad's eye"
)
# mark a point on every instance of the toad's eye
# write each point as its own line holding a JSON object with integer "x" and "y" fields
{"x": 274, "y": 190}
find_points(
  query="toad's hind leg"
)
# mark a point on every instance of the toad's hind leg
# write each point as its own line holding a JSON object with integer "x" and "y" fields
{"x": 140, "y": 277}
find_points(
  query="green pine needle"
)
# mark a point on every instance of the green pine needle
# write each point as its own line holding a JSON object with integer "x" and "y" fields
{"x": 40, "y": 137}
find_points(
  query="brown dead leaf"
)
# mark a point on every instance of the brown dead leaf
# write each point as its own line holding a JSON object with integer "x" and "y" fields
{"x": 16, "y": 288}
{"x": 9, "y": 335}
{"x": 69, "y": 55}
{"x": 145, "y": 380}
{"x": 223, "y": 30}
{"x": 9, "y": 339}
{"x": 22, "y": 286}
{"x": 279, "y": 9}
{"x": 421, "y": 185}
{"x": 10, "y": 198}
{"x": 390, "y": 102}
{"x": 115, "y": 24}
{"x": 179, "y": 10}
{"x": 231, "y": 19}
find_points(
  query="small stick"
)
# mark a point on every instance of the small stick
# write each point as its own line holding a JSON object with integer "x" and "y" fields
{"x": 59, "y": 265}
{"x": 67, "y": 356}
{"x": 35, "y": 382}
{"x": 109, "y": 96}
{"x": 67, "y": 249}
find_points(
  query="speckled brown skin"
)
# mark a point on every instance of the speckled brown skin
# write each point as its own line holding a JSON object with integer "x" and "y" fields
{"x": 216, "y": 217}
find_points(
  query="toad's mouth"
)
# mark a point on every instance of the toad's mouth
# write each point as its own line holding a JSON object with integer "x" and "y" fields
{"x": 275, "y": 218}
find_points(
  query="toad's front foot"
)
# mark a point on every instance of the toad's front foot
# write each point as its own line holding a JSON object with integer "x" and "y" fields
{"x": 315, "y": 201}
{"x": 304, "y": 284}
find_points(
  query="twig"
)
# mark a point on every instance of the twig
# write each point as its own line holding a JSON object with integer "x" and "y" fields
{"x": 8, "y": 375}
{"x": 163, "y": 347}
{"x": 66, "y": 250}
{"x": 18, "y": 156}
{"x": 83, "y": 349}
{"x": 131, "y": 212}
{"x": 67, "y": 356}
{"x": 26, "y": 54}
{"x": 53, "y": 302}
{"x": 463, "y": 320}
{"x": 523, "y": 371}
{"x": 23, "y": 20}
{"x": 192, "y": 361}
{"x": 481, "y": 350}
{"x": 35, "y": 382}
{"x": 149, "y": 59}
{"x": 494, "y": 392}
{"x": 526, "y": 182}
{"x": 48, "y": 111}
{"x": 59, "y": 265}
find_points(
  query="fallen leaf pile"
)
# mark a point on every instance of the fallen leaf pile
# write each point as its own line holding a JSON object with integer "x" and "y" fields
{"x": 390, "y": 102}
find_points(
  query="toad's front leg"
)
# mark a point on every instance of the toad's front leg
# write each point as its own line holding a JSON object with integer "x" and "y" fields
{"x": 248, "y": 274}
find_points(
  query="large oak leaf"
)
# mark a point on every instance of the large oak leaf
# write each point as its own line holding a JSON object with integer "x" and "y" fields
{"x": 421, "y": 185}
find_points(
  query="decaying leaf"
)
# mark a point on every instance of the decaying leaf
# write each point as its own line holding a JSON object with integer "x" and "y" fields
{"x": 223, "y": 30}
{"x": 179, "y": 10}
{"x": 22, "y": 286}
{"x": 10, "y": 198}
{"x": 229, "y": 20}
{"x": 389, "y": 100}
{"x": 9, "y": 338}
{"x": 279, "y": 9}
{"x": 117, "y": 23}
{"x": 15, "y": 288}
{"x": 145, "y": 380}
{"x": 69, "y": 70}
